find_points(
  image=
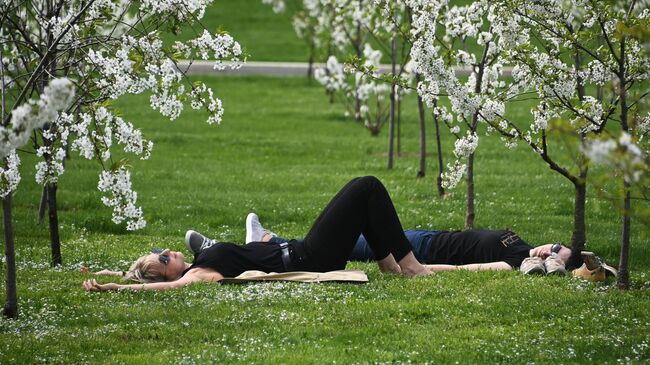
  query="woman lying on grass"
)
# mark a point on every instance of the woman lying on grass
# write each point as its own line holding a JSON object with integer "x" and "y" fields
{"x": 361, "y": 206}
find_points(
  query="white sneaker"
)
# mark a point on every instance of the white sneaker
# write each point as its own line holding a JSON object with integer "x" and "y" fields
{"x": 554, "y": 265}
{"x": 532, "y": 265}
{"x": 254, "y": 230}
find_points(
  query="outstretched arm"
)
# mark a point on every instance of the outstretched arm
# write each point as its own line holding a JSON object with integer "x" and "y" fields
{"x": 499, "y": 265}
{"x": 197, "y": 274}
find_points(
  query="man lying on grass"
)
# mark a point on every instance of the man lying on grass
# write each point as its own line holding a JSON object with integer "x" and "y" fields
{"x": 361, "y": 206}
{"x": 443, "y": 250}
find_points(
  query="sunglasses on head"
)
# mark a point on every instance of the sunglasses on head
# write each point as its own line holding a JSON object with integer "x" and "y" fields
{"x": 163, "y": 258}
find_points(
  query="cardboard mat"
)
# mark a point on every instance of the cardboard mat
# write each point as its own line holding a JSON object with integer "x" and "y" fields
{"x": 354, "y": 276}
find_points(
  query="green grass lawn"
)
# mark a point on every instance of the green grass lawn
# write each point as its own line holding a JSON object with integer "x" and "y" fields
{"x": 283, "y": 151}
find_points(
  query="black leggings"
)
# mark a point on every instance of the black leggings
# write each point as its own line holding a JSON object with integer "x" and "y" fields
{"x": 361, "y": 206}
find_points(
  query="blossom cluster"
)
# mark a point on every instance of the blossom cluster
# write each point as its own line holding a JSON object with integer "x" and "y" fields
{"x": 56, "y": 96}
{"x": 332, "y": 76}
{"x": 181, "y": 9}
{"x": 278, "y": 5}
{"x": 312, "y": 23}
{"x": 621, "y": 154}
{"x": 9, "y": 174}
{"x": 120, "y": 197}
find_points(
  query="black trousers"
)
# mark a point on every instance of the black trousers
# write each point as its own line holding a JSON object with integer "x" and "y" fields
{"x": 361, "y": 206}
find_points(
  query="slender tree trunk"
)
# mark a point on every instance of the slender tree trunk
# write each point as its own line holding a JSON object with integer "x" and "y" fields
{"x": 11, "y": 303}
{"x": 42, "y": 206}
{"x": 391, "y": 127}
{"x": 436, "y": 123}
{"x": 359, "y": 53}
{"x": 423, "y": 140}
{"x": 310, "y": 68}
{"x": 54, "y": 224}
{"x": 578, "y": 238}
{"x": 399, "y": 127}
{"x": 623, "y": 280}
{"x": 469, "y": 217}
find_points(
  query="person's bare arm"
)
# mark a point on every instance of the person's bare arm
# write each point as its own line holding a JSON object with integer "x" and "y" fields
{"x": 194, "y": 275}
{"x": 104, "y": 272}
{"x": 499, "y": 265}
{"x": 109, "y": 273}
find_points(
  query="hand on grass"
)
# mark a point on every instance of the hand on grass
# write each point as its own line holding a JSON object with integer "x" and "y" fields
{"x": 93, "y": 285}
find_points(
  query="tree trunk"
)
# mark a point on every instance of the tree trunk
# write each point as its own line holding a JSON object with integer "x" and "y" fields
{"x": 54, "y": 224}
{"x": 441, "y": 190}
{"x": 423, "y": 141}
{"x": 310, "y": 67}
{"x": 42, "y": 205}
{"x": 579, "y": 237}
{"x": 469, "y": 218}
{"x": 358, "y": 53}
{"x": 391, "y": 127}
{"x": 399, "y": 127}
{"x": 11, "y": 304}
{"x": 623, "y": 280}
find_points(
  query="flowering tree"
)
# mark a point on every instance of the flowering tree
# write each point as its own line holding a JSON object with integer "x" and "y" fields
{"x": 24, "y": 119}
{"x": 616, "y": 71}
{"x": 400, "y": 16}
{"x": 343, "y": 28}
{"x": 107, "y": 49}
{"x": 555, "y": 74}
{"x": 310, "y": 25}
{"x": 466, "y": 39}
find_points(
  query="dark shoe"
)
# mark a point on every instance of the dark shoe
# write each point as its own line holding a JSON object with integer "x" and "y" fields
{"x": 197, "y": 242}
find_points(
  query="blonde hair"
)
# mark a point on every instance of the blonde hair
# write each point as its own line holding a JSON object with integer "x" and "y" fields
{"x": 145, "y": 270}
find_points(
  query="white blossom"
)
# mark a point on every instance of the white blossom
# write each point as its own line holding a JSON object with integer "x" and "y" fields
{"x": 622, "y": 154}
{"x": 463, "y": 147}
{"x": 9, "y": 174}
{"x": 278, "y": 5}
{"x": 332, "y": 76}
{"x": 453, "y": 175}
{"x": 120, "y": 197}
{"x": 56, "y": 97}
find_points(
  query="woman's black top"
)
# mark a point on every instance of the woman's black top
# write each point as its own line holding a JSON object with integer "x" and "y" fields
{"x": 230, "y": 260}
{"x": 477, "y": 246}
